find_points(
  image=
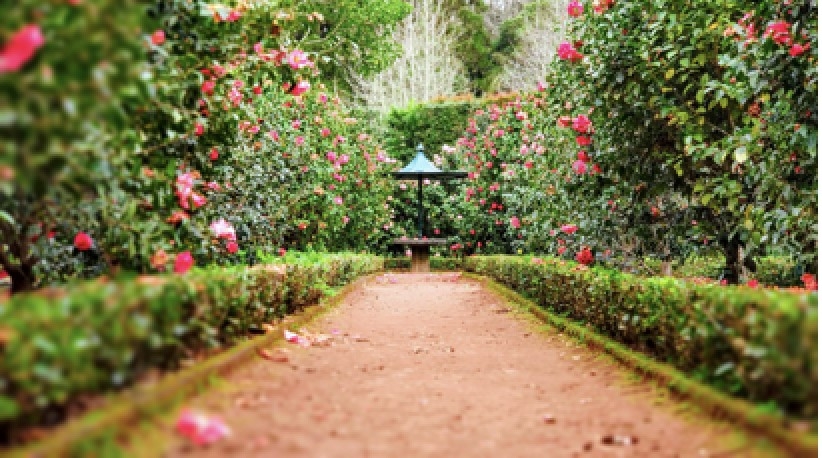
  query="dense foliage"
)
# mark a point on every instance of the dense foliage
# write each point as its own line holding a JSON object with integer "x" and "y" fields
{"x": 147, "y": 132}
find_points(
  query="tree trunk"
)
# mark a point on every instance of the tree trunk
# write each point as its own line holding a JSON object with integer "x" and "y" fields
{"x": 22, "y": 278}
{"x": 733, "y": 260}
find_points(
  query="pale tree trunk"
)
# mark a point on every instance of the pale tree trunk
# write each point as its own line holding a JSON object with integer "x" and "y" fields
{"x": 427, "y": 67}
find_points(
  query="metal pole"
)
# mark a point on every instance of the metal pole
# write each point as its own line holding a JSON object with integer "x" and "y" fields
{"x": 419, "y": 205}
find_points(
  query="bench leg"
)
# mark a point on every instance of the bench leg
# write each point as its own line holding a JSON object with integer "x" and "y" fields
{"x": 419, "y": 258}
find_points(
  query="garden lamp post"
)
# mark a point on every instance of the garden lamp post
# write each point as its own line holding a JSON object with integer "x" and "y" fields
{"x": 418, "y": 169}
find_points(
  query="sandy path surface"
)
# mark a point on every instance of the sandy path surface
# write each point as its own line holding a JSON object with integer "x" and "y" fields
{"x": 427, "y": 365}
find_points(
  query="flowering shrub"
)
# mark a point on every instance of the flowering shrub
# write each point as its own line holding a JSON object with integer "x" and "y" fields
{"x": 156, "y": 106}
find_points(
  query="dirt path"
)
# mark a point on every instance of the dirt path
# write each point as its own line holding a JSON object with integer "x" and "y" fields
{"x": 435, "y": 365}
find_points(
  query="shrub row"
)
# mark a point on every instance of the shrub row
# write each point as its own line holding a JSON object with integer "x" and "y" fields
{"x": 753, "y": 343}
{"x": 57, "y": 345}
{"x": 436, "y": 263}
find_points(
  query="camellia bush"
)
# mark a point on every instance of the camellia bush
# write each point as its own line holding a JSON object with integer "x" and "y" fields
{"x": 156, "y": 135}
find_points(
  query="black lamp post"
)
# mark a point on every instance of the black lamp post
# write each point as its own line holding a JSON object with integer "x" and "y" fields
{"x": 418, "y": 169}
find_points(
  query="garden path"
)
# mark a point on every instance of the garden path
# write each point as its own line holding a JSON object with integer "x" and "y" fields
{"x": 435, "y": 365}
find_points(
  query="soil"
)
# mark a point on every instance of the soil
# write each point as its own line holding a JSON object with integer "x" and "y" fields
{"x": 435, "y": 365}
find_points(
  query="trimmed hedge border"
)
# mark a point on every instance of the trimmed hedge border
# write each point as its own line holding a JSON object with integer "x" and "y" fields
{"x": 102, "y": 335}
{"x": 717, "y": 403}
{"x": 751, "y": 343}
{"x": 437, "y": 263}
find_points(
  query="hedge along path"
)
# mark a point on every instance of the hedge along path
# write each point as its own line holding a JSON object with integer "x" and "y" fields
{"x": 99, "y": 431}
{"x": 438, "y": 365}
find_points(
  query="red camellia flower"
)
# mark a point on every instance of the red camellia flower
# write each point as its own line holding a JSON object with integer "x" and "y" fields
{"x": 281, "y": 251}
{"x": 808, "y": 279}
{"x": 214, "y": 154}
{"x": 584, "y": 256}
{"x": 158, "y": 37}
{"x": 797, "y": 50}
{"x": 582, "y": 124}
{"x": 561, "y": 250}
{"x": 583, "y": 140}
{"x": 83, "y": 241}
{"x": 575, "y": 8}
{"x": 208, "y": 87}
{"x": 232, "y": 247}
{"x": 582, "y": 156}
{"x": 21, "y": 48}
{"x": 753, "y": 283}
{"x": 183, "y": 262}
{"x": 564, "y": 121}
{"x": 779, "y": 32}
{"x": 199, "y": 129}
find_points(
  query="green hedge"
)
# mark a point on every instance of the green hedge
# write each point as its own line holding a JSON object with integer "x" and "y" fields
{"x": 436, "y": 263}
{"x": 102, "y": 335}
{"x": 753, "y": 343}
{"x": 433, "y": 125}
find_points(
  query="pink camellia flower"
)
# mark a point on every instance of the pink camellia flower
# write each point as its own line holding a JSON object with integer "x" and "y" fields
{"x": 296, "y": 123}
{"x": 569, "y": 228}
{"x": 233, "y": 16}
{"x": 300, "y": 88}
{"x": 253, "y": 129}
{"x": 213, "y": 185}
{"x": 579, "y": 167}
{"x": 158, "y": 37}
{"x": 561, "y": 250}
{"x": 258, "y": 48}
{"x": 331, "y": 156}
{"x": 797, "y": 50}
{"x": 232, "y": 247}
{"x": 338, "y": 200}
{"x": 222, "y": 229}
{"x": 274, "y": 135}
{"x": 198, "y": 200}
{"x": 541, "y": 86}
{"x": 346, "y": 219}
{"x": 325, "y": 132}
{"x": 583, "y": 140}
{"x": 344, "y": 159}
{"x": 322, "y": 98}
{"x": 21, "y": 48}
{"x": 515, "y": 223}
{"x": 566, "y": 51}
{"x": 297, "y": 59}
{"x": 582, "y": 124}
{"x": 521, "y": 115}
{"x": 199, "y": 129}
{"x": 235, "y": 96}
{"x": 200, "y": 428}
{"x": 299, "y": 140}
{"x": 575, "y": 8}
{"x": 83, "y": 241}
{"x": 183, "y": 262}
